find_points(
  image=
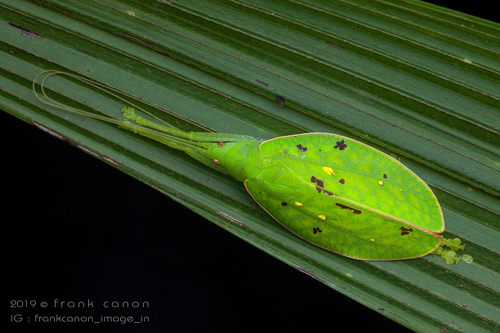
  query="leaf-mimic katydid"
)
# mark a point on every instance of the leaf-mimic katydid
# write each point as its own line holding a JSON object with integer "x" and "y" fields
{"x": 333, "y": 191}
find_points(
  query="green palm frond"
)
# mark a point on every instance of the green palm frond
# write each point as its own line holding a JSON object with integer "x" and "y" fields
{"x": 416, "y": 81}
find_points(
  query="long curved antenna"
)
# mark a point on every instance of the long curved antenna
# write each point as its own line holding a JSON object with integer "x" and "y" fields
{"x": 109, "y": 90}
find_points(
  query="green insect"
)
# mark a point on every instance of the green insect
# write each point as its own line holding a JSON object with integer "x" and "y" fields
{"x": 335, "y": 192}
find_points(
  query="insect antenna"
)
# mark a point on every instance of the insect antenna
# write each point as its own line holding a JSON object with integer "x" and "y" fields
{"x": 175, "y": 135}
{"x": 109, "y": 90}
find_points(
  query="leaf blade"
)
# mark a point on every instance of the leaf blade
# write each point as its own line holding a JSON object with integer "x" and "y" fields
{"x": 457, "y": 157}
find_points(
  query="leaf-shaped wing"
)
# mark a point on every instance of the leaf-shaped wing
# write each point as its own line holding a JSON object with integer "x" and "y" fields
{"x": 347, "y": 197}
{"x": 358, "y": 173}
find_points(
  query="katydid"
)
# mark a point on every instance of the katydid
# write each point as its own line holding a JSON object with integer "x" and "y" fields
{"x": 335, "y": 192}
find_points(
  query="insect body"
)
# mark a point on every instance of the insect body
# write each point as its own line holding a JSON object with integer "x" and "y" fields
{"x": 366, "y": 204}
{"x": 332, "y": 191}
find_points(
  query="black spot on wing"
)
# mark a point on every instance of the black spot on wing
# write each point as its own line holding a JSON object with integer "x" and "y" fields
{"x": 340, "y": 145}
{"x": 320, "y": 190}
{"x": 342, "y": 181}
{"x": 355, "y": 211}
{"x": 329, "y": 193}
{"x": 301, "y": 148}
{"x": 405, "y": 231}
{"x": 385, "y": 176}
{"x": 317, "y": 181}
{"x": 284, "y": 204}
{"x": 316, "y": 230}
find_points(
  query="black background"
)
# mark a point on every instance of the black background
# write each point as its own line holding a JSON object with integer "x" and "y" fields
{"x": 77, "y": 229}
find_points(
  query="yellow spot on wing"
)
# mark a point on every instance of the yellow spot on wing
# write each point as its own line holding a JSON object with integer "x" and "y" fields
{"x": 323, "y": 217}
{"x": 372, "y": 239}
{"x": 298, "y": 204}
{"x": 329, "y": 171}
{"x": 381, "y": 183}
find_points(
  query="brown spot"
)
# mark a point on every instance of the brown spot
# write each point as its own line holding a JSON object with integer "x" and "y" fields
{"x": 329, "y": 193}
{"x": 178, "y": 195}
{"x": 405, "y": 231}
{"x": 284, "y": 204}
{"x": 316, "y": 230}
{"x": 25, "y": 32}
{"x": 280, "y": 99}
{"x": 317, "y": 181}
{"x": 342, "y": 181}
{"x": 335, "y": 45}
{"x": 263, "y": 83}
{"x": 340, "y": 145}
{"x": 385, "y": 176}
{"x": 355, "y": 211}
{"x": 319, "y": 189}
{"x": 301, "y": 148}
